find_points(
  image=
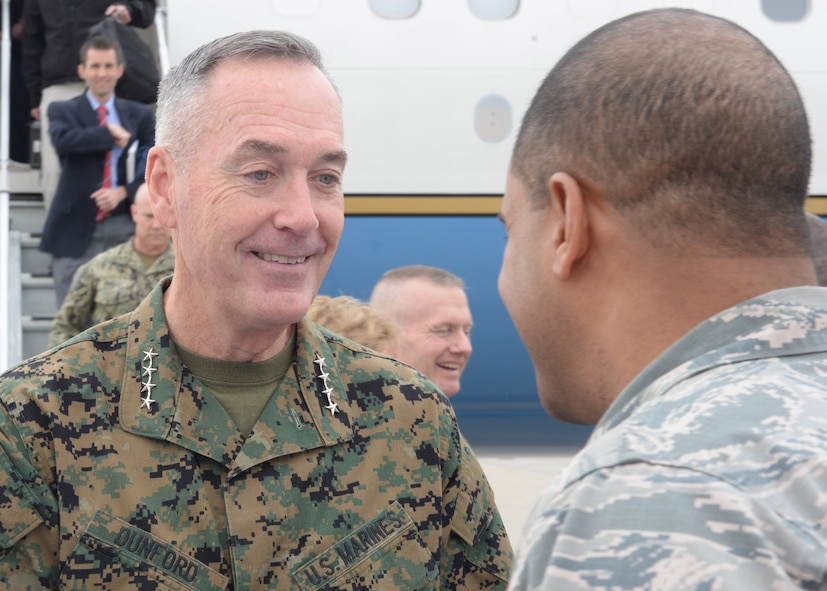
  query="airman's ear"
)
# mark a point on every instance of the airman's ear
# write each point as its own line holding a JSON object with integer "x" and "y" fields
{"x": 570, "y": 223}
{"x": 160, "y": 176}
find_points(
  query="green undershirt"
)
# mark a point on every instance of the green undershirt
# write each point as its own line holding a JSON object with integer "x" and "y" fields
{"x": 243, "y": 389}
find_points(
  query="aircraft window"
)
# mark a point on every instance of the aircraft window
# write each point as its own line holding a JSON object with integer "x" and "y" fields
{"x": 395, "y": 8}
{"x": 494, "y": 10}
{"x": 492, "y": 118}
{"x": 785, "y": 10}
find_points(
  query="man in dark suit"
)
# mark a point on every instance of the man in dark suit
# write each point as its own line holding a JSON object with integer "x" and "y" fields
{"x": 92, "y": 134}
{"x": 53, "y": 33}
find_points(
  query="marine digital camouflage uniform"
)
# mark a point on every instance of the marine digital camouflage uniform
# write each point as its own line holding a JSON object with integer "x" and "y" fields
{"x": 708, "y": 472}
{"x": 106, "y": 486}
{"x": 112, "y": 283}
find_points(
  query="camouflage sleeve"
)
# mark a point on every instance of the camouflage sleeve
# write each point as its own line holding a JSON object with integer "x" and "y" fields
{"x": 476, "y": 553}
{"x": 644, "y": 526}
{"x": 73, "y": 316}
{"x": 27, "y": 559}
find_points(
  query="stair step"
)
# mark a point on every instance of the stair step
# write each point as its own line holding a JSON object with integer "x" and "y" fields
{"x": 32, "y": 296}
{"x": 35, "y": 335}
{"x": 24, "y": 179}
{"x": 33, "y": 261}
{"x": 38, "y": 296}
{"x": 26, "y": 216}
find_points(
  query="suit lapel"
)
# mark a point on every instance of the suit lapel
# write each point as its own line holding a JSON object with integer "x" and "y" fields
{"x": 85, "y": 110}
{"x": 126, "y": 115}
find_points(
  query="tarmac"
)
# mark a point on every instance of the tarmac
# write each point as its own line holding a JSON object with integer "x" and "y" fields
{"x": 521, "y": 450}
{"x": 518, "y": 480}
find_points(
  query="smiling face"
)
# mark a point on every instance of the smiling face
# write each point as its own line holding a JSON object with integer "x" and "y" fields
{"x": 436, "y": 330}
{"x": 258, "y": 210}
{"x": 101, "y": 72}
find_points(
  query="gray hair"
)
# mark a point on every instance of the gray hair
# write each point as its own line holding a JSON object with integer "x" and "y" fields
{"x": 180, "y": 94}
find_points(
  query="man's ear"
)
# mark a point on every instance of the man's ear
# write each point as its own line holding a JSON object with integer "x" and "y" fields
{"x": 160, "y": 174}
{"x": 570, "y": 223}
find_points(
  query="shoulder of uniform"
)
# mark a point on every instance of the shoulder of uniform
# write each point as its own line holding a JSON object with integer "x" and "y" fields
{"x": 359, "y": 363}
{"x": 69, "y": 360}
{"x": 110, "y": 332}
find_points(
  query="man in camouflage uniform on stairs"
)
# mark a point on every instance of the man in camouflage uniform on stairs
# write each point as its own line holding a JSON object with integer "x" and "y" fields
{"x": 116, "y": 280}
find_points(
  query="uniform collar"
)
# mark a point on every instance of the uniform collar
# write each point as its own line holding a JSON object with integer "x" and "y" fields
{"x": 776, "y": 324}
{"x": 179, "y": 410}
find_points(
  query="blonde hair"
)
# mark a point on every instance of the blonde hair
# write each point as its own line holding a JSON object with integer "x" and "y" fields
{"x": 355, "y": 320}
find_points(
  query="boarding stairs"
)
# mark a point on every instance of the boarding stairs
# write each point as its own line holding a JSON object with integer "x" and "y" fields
{"x": 32, "y": 305}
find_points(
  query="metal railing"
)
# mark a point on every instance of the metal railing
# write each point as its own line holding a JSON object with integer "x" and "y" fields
{"x": 5, "y": 220}
{"x": 161, "y": 33}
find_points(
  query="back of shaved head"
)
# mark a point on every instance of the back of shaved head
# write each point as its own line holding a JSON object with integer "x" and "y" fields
{"x": 684, "y": 122}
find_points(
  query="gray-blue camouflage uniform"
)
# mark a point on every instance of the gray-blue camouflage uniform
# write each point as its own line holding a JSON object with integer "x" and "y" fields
{"x": 709, "y": 471}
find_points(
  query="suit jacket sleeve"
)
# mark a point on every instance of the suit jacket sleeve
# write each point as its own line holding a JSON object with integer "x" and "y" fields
{"x": 142, "y": 12}
{"x": 71, "y": 133}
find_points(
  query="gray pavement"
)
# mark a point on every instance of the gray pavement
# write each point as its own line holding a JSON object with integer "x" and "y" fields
{"x": 518, "y": 479}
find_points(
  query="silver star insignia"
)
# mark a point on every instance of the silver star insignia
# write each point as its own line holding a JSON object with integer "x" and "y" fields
{"x": 146, "y": 402}
{"x": 147, "y": 386}
{"x": 328, "y": 391}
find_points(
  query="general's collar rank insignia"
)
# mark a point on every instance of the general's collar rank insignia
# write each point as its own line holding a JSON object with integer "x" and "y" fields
{"x": 328, "y": 391}
{"x": 147, "y": 386}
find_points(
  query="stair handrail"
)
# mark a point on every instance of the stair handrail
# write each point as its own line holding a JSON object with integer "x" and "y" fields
{"x": 161, "y": 35}
{"x": 5, "y": 220}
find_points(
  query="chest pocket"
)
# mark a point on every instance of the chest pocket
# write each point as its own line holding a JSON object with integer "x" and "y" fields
{"x": 113, "y": 554}
{"x": 19, "y": 508}
{"x": 386, "y": 552}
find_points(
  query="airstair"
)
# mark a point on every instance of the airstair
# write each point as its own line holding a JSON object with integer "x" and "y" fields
{"x": 32, "y": 305}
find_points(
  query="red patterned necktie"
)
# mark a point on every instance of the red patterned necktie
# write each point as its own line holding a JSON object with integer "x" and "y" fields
{"x": 107, "y": 163}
